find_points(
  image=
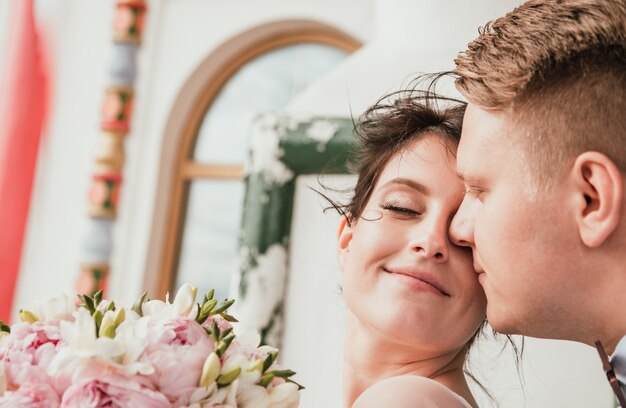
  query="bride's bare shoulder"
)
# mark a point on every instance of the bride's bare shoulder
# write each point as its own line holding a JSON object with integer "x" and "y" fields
{"x": 409, "y": 391}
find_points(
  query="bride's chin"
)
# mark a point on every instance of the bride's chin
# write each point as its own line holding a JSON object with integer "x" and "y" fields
{"x": 404, "y": 324}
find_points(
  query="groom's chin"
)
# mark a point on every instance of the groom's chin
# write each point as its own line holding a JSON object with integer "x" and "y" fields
{"x": 502, "y": 321}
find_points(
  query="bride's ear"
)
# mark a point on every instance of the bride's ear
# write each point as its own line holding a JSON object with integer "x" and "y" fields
{"x": 344, "y": 237}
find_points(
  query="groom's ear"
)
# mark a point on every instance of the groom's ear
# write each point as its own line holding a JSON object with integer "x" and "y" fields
{"x": 600, "y": 195}
{"x": 343, "y": 241}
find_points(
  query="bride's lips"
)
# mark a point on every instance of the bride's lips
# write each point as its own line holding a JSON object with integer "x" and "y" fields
{"x": 421, "y": 277}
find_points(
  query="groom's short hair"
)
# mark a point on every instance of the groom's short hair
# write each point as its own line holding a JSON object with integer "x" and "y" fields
{"x": 558, "y": 68}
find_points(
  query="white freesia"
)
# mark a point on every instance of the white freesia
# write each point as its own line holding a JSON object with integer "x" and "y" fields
{"x": 285, "y": 395}
{"x": 82, "y": 343}
{"x": 248, "y": 376}
{"x": 132, "y": 335}
{"x": 185, "y": 299}
{"x": 210, "y": 370}
{"x": 122, "y": 352}
{"x": 234, "y": 361}
{"x": 154, "y": 308}
{"x": 213, "y": 396}
{"x": 253, "y": 396}
{"x": 54, "y": 308}
{"x": 107, "y": 326}
{"x": 182, "y": 305}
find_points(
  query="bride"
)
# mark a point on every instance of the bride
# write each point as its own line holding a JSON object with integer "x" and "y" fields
{"x": 413, "y": 298}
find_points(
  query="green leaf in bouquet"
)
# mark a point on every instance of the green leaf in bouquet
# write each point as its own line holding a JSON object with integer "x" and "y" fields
{"x": 205, "y": 310}
{"x": 97, "y": 318}
{"x": 208, "y": 296}
{"x": 27, "y": 316}
{"x": 266, "y": 379}
{"x": 227, "y": 378}
{"x": 215, "y": 332}
{"x": 228, "y": 318}
{"x": 110, "y": 306}
{"x": 269, "y": 360}
{"x": 226, "y": 332}
{"x": 223, "y": 307}
{"x": 4, "y": 327}
{"x": 208, "y": 306}
{"x": 283, "y": 373}
{"x": 208, "y": 332}
{"x": 300, "y": 387}
{"x": 139, "y": 303}
{"x": 87, "y": 303}
{"x": 97, "y": 298}
{"x": 223, "y": 345}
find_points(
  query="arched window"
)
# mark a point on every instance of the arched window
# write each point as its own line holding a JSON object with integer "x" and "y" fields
{"x": 259, "y": 71}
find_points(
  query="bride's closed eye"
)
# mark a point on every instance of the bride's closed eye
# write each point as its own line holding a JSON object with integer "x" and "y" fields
{"x": 400, "y": 209}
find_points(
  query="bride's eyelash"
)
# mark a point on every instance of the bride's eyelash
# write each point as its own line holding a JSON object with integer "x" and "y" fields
{"x": 398, "y": 209}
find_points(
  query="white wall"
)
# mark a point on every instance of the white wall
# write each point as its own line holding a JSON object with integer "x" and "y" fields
{"x": 411, "y": 37}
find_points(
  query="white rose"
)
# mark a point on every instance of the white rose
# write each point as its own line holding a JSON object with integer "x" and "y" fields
{"x": 54, "y": 308}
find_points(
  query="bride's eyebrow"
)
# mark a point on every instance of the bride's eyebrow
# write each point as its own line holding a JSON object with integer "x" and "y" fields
{"x": 409, "y": 183}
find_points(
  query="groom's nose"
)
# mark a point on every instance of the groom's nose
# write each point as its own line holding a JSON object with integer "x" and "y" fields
{"x": 462, "y": 226}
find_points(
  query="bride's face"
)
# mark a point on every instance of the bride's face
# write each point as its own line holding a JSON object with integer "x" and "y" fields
{"x": 402, "y": 277}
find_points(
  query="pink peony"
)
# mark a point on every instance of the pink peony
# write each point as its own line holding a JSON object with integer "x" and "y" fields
{"x": 28, "y": 351}
{"x": 112, "y": 391}
{"x": 31, "y": 395}
{"x": 177, "y": 348}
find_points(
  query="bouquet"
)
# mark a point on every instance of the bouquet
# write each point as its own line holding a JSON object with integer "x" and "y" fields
{"x": 155, "y": 354}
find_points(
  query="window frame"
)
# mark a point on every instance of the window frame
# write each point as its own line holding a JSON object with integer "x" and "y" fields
{"x": 178, "y": 169}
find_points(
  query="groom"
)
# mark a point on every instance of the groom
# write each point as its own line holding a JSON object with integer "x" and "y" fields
{"x": 543, "y": 158}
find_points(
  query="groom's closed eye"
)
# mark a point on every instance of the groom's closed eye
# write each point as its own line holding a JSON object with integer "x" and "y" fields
{"x": 474, "y": 192}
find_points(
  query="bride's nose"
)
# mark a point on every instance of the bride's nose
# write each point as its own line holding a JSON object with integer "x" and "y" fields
{"x": 430, "y": 240}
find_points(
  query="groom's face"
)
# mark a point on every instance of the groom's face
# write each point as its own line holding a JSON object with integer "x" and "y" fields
{"x": 518, "y": 240}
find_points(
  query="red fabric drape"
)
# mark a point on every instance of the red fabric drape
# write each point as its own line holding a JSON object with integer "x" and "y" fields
{"x": 22, "y": 105}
